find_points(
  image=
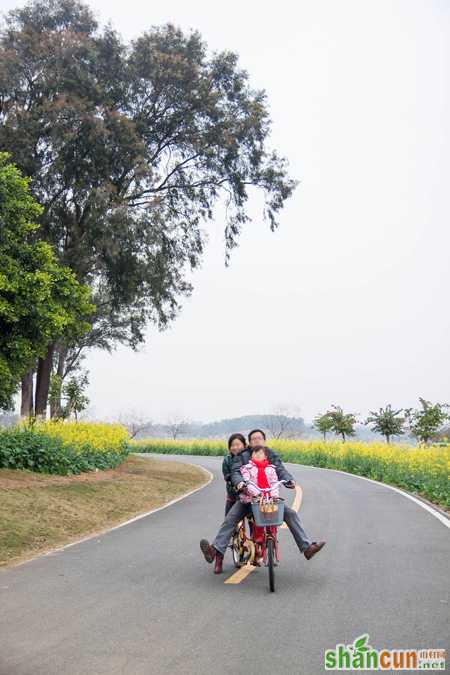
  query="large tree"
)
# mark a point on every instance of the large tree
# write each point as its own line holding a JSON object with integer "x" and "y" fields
{"x": 40, "y": 301}
{"x": 129, "y": 148}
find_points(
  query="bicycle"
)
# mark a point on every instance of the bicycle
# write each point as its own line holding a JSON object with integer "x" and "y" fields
{"x": 255, "y": 538}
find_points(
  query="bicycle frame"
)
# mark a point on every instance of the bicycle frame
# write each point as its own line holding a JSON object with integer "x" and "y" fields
{"x": 256, "y": 543}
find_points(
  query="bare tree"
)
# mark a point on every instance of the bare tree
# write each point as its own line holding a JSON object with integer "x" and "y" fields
{"x": 284, "y": 422}
{"x": 177, "y": 426}
{"x": 135, "y": 422}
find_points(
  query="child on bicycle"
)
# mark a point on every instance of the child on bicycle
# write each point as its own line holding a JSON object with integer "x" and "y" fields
{"x": 260, "y": 472}
{"x": 264, "y": 475}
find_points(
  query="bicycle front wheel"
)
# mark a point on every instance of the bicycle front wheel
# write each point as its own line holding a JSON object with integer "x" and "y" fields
{"x": 271, "y": 563}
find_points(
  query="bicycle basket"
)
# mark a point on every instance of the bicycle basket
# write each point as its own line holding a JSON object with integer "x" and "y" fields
{"x": 267, "y": 518}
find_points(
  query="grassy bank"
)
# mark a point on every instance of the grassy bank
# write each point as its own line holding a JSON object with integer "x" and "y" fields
{"x": 424, "y": 471}
{"x": 39, "y": 512}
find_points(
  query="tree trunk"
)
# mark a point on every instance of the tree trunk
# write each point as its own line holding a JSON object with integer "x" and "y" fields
{"x": 44, "y": 372}
{"x": 55, "y": 406}
{"x": 62, "y": 355}
{"x": 27, "y": 402}
{"x": 55, "y": 409}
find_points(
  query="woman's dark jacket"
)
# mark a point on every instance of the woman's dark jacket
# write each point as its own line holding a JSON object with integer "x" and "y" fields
{"x": 226, "y": 470}
{"x": 244, "y": 457}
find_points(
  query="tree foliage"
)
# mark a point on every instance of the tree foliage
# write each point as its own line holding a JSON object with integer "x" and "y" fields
{"x": 324, "y": 424}
{"x": 425, "y": 422}
{"x": 129, "y": 148}
{"x": 39, "y": 299}
{"x": 387, "y": 422}
{"x": 73, "y": 393}
{"x": 343, "y": 424}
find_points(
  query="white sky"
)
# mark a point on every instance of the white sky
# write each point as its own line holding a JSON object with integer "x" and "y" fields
{"x": 347, "y": 302}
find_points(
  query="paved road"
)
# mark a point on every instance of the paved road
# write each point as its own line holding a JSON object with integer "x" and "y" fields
{"x": 141, "y": 601}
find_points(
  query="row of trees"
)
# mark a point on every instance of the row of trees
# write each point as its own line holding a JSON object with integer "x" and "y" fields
{"x": 126, "y": 149}
{"x": 423, "y": 423}
{"x": 426, "y": 423}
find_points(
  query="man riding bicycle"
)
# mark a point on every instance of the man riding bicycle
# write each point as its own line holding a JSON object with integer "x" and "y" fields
{"x": 215, "y": 551}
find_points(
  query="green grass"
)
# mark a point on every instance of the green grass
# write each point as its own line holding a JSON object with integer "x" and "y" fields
{"x": 39, "y": 512}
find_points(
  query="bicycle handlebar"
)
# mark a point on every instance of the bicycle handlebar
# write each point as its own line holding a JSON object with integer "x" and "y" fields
{"x": 280, "y": 482}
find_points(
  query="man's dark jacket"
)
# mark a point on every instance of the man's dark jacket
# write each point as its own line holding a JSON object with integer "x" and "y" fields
{"x": 245, "y": 456}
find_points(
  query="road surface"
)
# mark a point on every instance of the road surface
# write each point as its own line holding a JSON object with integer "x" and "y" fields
{"x": 141, "y": 600}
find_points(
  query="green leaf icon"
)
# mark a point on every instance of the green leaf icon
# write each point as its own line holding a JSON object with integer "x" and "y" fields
{"x": 360, "y": 643}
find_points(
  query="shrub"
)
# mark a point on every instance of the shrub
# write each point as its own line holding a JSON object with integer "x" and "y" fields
{"x": 56, "y": 447}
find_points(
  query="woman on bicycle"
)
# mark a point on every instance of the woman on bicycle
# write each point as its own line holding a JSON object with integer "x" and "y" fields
{"x": 236, "y": 443}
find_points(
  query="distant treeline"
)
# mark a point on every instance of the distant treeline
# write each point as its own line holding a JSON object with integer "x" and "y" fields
{"x": 274, "y": 425}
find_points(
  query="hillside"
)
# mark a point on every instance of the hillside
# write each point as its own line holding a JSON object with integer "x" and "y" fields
{"x": 274, "y": 425}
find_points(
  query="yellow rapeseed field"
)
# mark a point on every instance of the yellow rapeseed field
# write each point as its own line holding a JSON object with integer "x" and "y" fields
{"x": 422, "y": 470}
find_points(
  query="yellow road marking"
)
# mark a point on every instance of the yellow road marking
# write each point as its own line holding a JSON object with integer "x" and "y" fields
{"x": 240, "y": 574}
{"x": 296, "y": 504}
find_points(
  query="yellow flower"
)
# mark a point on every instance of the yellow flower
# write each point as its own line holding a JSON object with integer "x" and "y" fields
{"x": 99, "y": 437}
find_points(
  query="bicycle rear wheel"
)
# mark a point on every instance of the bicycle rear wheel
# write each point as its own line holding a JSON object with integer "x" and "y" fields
{"x": 237, "y": 550}
{"x": 243, "y": 548}
{"x": 271, "y": 564}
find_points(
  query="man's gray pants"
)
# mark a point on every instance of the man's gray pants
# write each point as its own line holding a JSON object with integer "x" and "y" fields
{"x": 239, "y": 510}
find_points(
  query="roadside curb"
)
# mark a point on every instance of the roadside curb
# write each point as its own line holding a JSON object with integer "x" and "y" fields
{"x": 100, "y": 533}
